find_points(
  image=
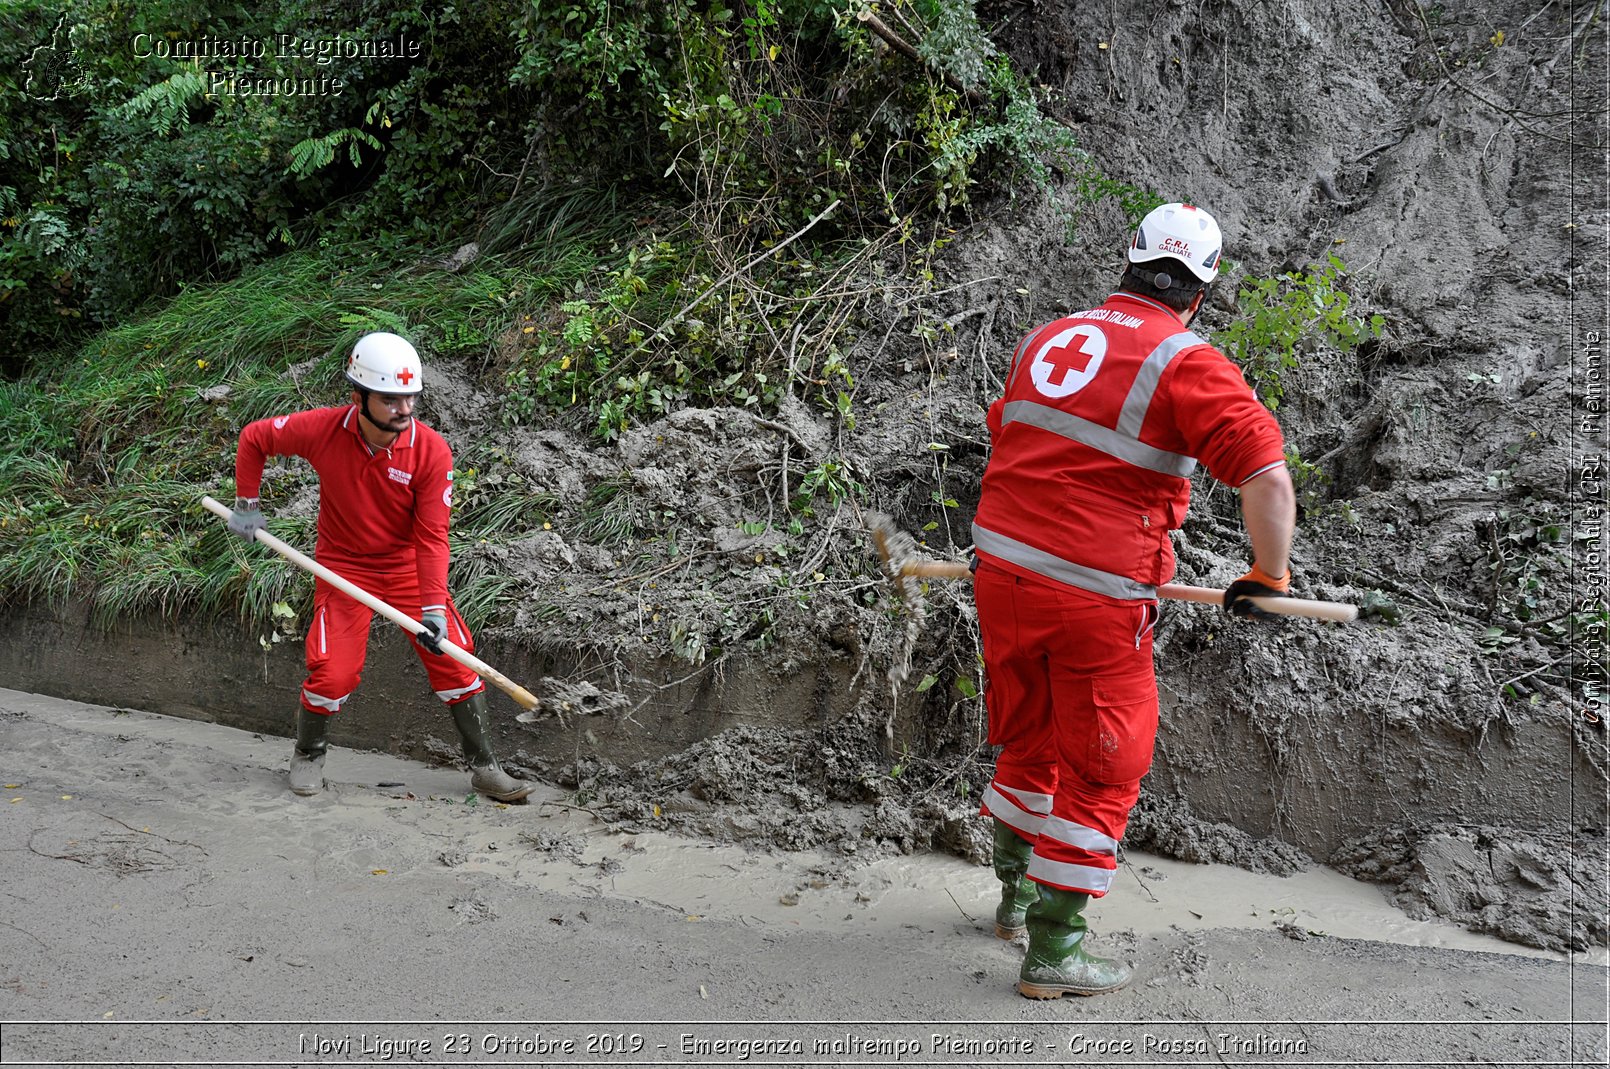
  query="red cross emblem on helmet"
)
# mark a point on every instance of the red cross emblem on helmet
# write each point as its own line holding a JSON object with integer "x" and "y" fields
{"x": 385, "y": 363}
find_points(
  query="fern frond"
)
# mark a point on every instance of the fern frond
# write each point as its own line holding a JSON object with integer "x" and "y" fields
{"x": 316, "y": 152}
{"x": 166, "y": 104}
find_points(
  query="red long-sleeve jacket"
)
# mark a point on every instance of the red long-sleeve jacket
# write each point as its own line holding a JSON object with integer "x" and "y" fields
{"x": 1105, "y": 415}
{"x": 379, "y": 509}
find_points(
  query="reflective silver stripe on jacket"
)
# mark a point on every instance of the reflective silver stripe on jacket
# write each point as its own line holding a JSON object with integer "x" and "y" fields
{"x": 1122, "y": 441}
{"x": 1040, "y": 562}
{"x": 1114, "y": 443}
{"x": 1139, "y": 400}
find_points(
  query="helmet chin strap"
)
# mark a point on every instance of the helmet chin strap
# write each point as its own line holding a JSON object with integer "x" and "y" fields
{"x": 363, "y": 408}
{"x": 363, "y": 411}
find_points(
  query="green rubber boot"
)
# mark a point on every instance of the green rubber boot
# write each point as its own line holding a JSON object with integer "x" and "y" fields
{"x": 307, "y": 759}
{"x": 1057, "y": 963}
{"x": 1011, "y": 856}
{"x": 486, "y": 775}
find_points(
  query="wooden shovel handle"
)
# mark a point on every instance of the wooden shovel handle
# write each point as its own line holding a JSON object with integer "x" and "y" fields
{"x": 1317, "y": 610}
{"x": 402, "y": 620}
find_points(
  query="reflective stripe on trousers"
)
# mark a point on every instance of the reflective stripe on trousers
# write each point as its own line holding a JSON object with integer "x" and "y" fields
{"x": 318, "y": 701}
{"x": 1087, "y": 878}
{"x": 1023, "y": 811}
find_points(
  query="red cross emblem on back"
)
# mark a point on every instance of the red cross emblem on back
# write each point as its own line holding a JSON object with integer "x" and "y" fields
{"x": 1063, "y": 364}
{"x": 405, "y": 376}
{"x": 1056, "y": 371}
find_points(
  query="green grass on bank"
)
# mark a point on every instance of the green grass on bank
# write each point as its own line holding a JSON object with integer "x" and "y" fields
{"x": 109, "y": 449}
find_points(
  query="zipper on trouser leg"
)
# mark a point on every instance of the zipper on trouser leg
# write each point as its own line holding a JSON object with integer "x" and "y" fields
{"x": 1148, "y": 620}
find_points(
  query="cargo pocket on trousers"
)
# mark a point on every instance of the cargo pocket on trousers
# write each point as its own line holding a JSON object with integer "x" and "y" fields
{"x": 1126, "y": 727}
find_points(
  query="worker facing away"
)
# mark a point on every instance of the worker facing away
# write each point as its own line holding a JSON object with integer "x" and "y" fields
{"x": 385, "y": 495}
{"x": 1104, "y": 416}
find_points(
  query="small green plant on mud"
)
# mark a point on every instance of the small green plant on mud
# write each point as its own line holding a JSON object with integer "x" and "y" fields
{"x": 831, "y": 477}
{"x": 607, "y": 518}
{"x": 1092, "y": 186}
{"x": 1524, "y": 547}
{"x": 1530, "y": 559}
{"x": 688, "y": 643}
{"x": 1308, "y": 480}
{"x": 1278, "y": 317}
{"x": 499, "y": 499}
{"x": 898, "y": 769}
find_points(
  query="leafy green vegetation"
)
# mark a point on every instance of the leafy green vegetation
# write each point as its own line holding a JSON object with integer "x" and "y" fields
{"x": 110, "y": 449}
{"x": 189, "y": 142}
{"x": 1278, "y": 317}
{"x": 674, "y": 204}
{"x": 787, "y": 150}
{"x": 137, "y": 154}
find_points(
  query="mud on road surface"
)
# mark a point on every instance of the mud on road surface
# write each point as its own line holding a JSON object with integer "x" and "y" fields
{"x": 166, "y": 891}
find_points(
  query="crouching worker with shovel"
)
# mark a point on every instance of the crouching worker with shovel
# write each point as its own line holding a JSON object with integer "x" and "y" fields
{"x": 385, "y": 494}
{"x": 1104, "y": 416}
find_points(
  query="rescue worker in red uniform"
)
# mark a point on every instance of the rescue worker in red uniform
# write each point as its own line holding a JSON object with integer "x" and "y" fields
{"x": 1105, "y": 414}
{"x": 385, "y": 494}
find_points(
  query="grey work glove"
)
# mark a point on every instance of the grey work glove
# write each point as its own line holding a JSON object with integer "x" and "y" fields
{"x": 436, "y": 630}
{"x": 247, "y": 519}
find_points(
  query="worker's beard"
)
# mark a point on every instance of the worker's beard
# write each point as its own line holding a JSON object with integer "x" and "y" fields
{"x": 393, "y": 425}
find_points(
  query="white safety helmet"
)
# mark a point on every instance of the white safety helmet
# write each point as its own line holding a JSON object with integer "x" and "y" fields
{"x": 385, "y": 363}
{"x": 1182, "y": 232}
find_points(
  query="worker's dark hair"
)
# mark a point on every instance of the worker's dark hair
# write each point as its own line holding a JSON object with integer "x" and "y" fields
{"x": 1147, "y": 280}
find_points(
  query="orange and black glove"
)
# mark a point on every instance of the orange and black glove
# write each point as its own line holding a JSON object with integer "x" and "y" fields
{"x": 1256, "y": 583}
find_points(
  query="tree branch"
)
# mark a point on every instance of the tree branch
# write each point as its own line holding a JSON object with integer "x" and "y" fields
{"x": 904, "y": 47}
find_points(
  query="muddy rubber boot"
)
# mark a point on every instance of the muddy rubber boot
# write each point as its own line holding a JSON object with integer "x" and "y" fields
{"x": 486, "y": 775}
{"x": 1011, "y": 857}
{"x": 1057, "y": 963}
{"x": 307, "y": 758}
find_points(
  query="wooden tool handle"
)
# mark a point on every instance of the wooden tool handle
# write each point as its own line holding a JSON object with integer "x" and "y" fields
{"x": 936, "y": 569}
{"x": 402, "y": 620}
{"x": 1318, "y": 610}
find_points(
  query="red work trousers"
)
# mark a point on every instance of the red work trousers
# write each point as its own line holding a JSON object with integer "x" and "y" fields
{"x": 338, "y": 640}
{"x": 1072, "y": 699}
